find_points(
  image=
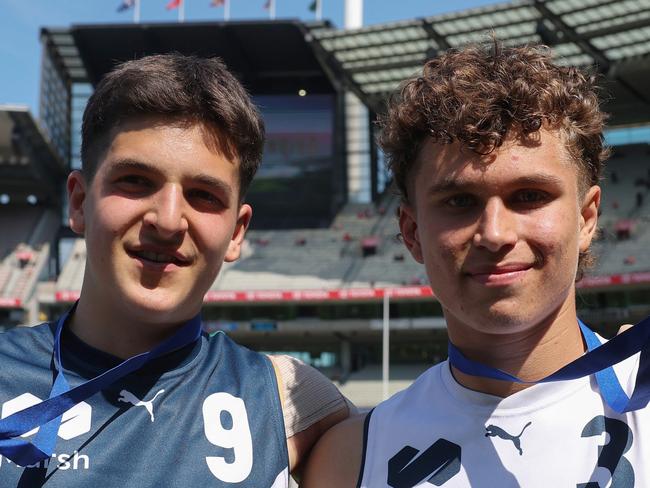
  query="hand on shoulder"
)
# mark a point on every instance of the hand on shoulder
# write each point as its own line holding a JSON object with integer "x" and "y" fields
{"x": 623, "y": 328}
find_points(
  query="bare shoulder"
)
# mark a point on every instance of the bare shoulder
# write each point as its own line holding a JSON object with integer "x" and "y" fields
{"x": 336, "y": 458}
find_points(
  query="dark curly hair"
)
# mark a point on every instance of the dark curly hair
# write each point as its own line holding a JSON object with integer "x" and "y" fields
{"x": 480, "y": 94}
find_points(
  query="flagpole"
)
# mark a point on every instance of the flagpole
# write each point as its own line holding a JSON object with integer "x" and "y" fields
{"x": 226, "y": 10}
{"x": 136, "y": 12}
{"x": 181, "y": 11}
{"x": 272, "y": 10}
{"x": 319, "y": 10}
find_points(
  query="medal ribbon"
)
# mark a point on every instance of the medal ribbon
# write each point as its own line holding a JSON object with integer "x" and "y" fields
{"x": 598, "y": 360}
{"x": 47, "y": 414}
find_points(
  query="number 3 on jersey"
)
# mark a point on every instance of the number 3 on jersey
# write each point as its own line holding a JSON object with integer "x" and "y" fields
{"x": 235, "y": 436}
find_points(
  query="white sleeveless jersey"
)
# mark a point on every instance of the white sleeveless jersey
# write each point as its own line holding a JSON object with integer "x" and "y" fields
{"x": 438, "y": 433}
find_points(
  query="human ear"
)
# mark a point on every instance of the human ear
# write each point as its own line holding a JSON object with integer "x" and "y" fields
{"x": 243, "y": 219}
{"x": 408, "y": 226}
{"x": 589, "y": 217}
{"x": 76, "y": 186}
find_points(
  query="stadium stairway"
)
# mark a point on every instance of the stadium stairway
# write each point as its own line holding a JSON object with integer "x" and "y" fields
{"x": 21, "y": 271}
{"x": 71, "y": 276}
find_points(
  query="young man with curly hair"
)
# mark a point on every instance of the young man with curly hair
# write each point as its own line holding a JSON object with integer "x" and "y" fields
{"x": 497, "y": 153}
{"x": 137, "y": 395}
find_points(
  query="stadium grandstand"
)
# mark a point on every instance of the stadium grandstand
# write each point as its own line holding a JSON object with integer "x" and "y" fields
{"x": 31, "y": 182}
{"x": 322, "y": 273}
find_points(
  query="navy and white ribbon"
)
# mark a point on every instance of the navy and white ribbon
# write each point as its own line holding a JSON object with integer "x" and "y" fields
{"x": 598, "y": 360}
{"x": 47, "y": 414}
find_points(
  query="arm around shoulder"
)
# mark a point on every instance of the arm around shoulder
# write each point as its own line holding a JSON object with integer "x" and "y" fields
{"x": 336, "y": 458}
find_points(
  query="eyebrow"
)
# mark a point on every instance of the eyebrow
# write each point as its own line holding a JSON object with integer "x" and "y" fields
{"x": 212, "y": 182}
{"x": 131, "y": 164}
{"x": 201, "y": 178}
{"x": 451, "y": 184}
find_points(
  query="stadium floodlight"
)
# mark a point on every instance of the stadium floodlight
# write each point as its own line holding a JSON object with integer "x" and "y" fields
{"x": 4, "y": 199}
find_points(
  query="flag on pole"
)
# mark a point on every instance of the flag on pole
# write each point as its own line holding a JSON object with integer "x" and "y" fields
{"x": 126, "y": 5}
{"x": 226, "y": 7}
{"x": 270, "y": 6}
{"x": 316, "y": 6}
{"x": 131, "y": 4}
{"x": 174, "y": 4}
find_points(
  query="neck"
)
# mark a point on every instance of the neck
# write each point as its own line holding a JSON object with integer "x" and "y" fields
{"x": 114, "y": 332}
{"x": 530, "y": 354}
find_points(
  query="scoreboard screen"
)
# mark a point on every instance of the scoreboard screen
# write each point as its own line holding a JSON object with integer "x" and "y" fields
{"x": 298, "y": 183}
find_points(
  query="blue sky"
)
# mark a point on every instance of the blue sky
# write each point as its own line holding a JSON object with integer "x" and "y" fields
{"x": 21, "y": 20}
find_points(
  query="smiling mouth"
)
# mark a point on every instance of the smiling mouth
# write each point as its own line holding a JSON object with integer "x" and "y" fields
{"x": 500, "y": 276}
{"x": 157, "y": 258}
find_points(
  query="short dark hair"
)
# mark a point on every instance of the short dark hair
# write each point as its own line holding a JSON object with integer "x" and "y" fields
{"x": 182, "y": 88}
{"x": 479, "y": 94}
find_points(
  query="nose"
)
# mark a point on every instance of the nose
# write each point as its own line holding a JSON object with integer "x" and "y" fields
{"x": 167, "y": 212}
{"x": 496, "y": 227}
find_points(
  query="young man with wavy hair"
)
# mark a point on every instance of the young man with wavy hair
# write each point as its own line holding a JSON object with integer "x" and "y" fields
{"x": 137, "y": 395}
{"x": 497, "y": 153}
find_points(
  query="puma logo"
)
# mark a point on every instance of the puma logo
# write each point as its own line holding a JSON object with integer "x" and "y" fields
{"x": 494, "y": 431}
{"x": 128, "y": 397}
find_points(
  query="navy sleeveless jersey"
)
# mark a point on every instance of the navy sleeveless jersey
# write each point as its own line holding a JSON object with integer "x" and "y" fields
{"x": 206, "y": 415}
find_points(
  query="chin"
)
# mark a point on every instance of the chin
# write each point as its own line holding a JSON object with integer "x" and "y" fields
{"x": 504, "y": 319}
{"x": 159, "y": 305}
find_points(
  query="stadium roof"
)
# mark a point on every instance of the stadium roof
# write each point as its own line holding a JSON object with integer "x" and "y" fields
{"x": 27, "y": 160}
{"x": 613, "y": 35}
{"x": 263, "y": 53}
